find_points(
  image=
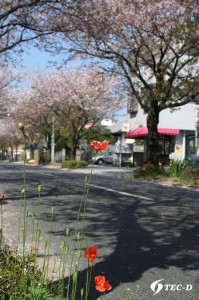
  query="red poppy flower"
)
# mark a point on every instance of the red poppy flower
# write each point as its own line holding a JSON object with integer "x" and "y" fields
{"x": 101, "y": 284}
{"x": 99, "y": 279}
{"x": 91, "y": 253}
{"x": 1, "y": 197}
{"x": 99, "y": 145}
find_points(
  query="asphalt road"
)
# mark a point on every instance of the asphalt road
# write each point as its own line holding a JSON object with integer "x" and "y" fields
{"x": 144, "y": 232}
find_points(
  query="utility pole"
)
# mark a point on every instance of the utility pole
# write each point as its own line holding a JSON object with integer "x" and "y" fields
{"x": 53, "y": 139}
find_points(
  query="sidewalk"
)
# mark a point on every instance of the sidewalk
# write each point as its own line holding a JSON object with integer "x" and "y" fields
{"x": 97, "y": 169}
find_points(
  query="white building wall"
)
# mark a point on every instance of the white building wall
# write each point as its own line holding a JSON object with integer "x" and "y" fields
{"x": 138, "y": 120}
{"x": 182, "y": 118}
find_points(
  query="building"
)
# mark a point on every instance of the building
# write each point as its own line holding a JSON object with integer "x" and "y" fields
{"x": 178, "y": 129}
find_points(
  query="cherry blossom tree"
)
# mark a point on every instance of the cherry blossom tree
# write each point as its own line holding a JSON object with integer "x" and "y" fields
{"x": 7, "y": 80}
{"x": 22, "y": 21}
{"x": 153, "y": 43}
{"x": 32, "y": 114}
{"x": 75, "y": 97}
{"x": 10, "y": 137}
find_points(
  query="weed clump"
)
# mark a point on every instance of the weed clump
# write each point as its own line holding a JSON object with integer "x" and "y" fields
{"x": 151, "y": 172}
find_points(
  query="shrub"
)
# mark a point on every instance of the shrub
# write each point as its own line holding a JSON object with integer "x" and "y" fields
{"x": 190, "y": 173}
{"x": 82, "y": 164}
{"x": 72, "y": 164}
{"x": 127, "y": 164}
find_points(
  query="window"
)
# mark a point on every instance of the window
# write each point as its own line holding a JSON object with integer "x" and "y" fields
{"x": 165, "y": 145}
{"x": 190, "y": 146}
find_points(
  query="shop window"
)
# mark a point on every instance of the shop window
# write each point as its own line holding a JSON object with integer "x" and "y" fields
{"x": 165, "y": 145}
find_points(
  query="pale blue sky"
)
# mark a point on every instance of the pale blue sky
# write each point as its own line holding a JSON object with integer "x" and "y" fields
{"x": 34, "y": 59}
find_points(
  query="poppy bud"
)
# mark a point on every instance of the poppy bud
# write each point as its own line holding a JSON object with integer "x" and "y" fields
{"x": 21, "y": 126}
{"x": 39, "y": 188}
{"x": 1, "y": 197}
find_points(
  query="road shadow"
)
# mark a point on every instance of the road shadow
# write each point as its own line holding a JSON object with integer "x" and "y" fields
{"x": 136, "y": 235}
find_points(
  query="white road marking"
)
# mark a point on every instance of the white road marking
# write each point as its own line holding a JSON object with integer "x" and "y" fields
{"x": 50, "y": 175}
{"x": 119, "y": 192}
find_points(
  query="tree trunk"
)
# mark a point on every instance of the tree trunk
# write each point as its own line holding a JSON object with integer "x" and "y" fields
{"x": 12, "y": 154}
{"x": 73, "y": 153}
{"x": 74, "y": 148}
{"x": 32, "y": 153}
{"x": 153, "y": 137}
{"x": 16, "y": 149}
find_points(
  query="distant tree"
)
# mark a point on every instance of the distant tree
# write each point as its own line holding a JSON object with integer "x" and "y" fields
{"x": 97, "y": 133}
{"x": 153, "y": 43}
{"x": 34, "y": 115}
{"x": 94, "y": 133}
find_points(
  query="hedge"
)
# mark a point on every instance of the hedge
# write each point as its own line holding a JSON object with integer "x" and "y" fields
{"x": 127, "y": 164}
{"x": 73, "y": 164}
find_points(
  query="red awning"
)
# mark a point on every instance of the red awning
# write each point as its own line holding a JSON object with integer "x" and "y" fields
{"x": 141, "y": 132}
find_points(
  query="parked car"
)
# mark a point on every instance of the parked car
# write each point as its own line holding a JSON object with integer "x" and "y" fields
{"x": 106, "y": 158}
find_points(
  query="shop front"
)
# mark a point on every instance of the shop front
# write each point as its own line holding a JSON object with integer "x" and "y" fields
{"x": 166, "y": 142}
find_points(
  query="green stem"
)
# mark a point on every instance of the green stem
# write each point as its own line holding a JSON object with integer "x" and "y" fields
{"x": 60, "y": 265}
{"x": 44, "y": 265}
{"x": 33, "y": 230}
{"x": 38, "y": 209}
{"x": 49, "y": 241}
{"x": 88, "y": 280}
{"x": 65, "y": 254}
{"x": 81, "y": 213}
{"x": 80, "y": 216}
{"x": 1, "y": 226}
{"x": 19, "y": 228}
{"x": 74, "y": 285}
{"x": 24, "y": 219}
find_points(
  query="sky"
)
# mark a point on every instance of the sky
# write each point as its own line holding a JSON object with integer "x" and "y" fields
{"x": 33, "y": 58}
